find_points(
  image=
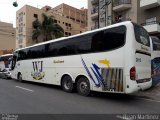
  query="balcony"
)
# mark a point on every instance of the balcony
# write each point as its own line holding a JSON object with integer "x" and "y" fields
{"x": 94, "y": 2}
{"x": 121, "y": 5}
{"x": 147, "y": 4}
{"x": 152, "y": 27}
{"x": 94, "y": 12}
{"x": 118, "y": 20}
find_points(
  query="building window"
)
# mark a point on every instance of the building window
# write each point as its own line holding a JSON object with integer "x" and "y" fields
{"x": 66, "y": 33}
{"x": 69, "y": 34}
{"x": 82, "y": 21}
{"x": 66, "y": 24}
{"x": 35, "y": 15}
{"x": 55, "y": 21}
{"x": 72, "y": 18}
{"x": 77, "y": 20}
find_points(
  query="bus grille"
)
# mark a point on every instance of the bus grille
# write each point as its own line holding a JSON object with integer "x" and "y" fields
{"x": 113, "y": 79}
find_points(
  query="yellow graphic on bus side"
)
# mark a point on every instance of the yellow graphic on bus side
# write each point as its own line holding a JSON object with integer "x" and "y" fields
{"x": 106, "y": 62}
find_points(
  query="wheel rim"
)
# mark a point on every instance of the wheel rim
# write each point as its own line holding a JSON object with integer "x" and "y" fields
{"x": 67, "y": 84}
{"x": 83, "y": 87}
{"x": 20, "y": 77}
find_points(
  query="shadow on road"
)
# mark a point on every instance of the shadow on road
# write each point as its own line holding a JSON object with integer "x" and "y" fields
{"x": 98, "y": 95}
{"x": 114, "y": 96}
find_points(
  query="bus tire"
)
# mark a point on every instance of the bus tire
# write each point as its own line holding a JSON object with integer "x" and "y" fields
{"x": 67, "y": 84}
{"x": 19, "y": 77}
{"x": 83, "y": 86}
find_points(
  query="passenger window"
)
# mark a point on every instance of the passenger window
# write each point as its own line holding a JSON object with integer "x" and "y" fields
{"x": 109, "y": 39}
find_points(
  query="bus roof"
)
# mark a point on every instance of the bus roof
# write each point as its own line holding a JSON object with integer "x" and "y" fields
{"x": 64, "y": 38}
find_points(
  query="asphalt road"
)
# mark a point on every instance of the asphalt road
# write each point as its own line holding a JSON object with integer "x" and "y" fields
{"x": 33, "y": 98}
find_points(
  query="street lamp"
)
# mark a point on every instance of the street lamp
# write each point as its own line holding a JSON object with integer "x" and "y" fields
{"x": 15, "y": 4}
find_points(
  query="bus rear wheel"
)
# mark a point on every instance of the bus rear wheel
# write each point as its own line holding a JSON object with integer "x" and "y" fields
{"x": 67, "y": 84}
{"x": 83, "y": 86}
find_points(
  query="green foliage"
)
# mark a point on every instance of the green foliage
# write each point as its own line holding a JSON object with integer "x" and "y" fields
{"x": 35, "y": 34}
{"x": 57, "y": 31}
{"x": 36, "y": 30}
{"x": 48, "y": 28}
{"x": 36, "y": 24}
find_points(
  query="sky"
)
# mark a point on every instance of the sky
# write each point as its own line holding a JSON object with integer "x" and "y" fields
{"x": 8, "y": 12}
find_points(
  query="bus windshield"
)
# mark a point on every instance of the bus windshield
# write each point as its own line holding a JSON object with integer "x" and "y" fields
{"x": 13, "y": 62}
{"x": 5, "y": 60}
{"x": 141, "y": 35}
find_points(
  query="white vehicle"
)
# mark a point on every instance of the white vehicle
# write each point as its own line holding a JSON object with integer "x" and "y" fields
{"x": 111, "y": 59}
{"x": 5, "y": 73}
{"x": 5, "y": 61}
{"x": 155, "y": 60}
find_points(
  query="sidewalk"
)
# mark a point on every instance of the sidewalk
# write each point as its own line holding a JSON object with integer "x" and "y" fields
{"x": 152, "y": 93}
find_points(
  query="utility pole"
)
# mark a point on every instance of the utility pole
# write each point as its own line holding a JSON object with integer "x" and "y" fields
{"x": 103, "y": 12}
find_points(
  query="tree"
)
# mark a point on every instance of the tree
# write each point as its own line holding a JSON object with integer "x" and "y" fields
{"x": 48, "y": 28}
{"x": 57, "y": 31}
{"x": 36, "y": 30}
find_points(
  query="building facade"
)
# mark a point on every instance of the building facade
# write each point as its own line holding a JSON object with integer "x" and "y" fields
{"x": 78, "y": 16}
{"x": 7, "y": 38}
{"x": 143, "y": 12}
{"x": 27, "y": 14}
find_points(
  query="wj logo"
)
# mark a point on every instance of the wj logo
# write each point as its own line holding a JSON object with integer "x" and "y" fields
{"x": 38, "y": 73}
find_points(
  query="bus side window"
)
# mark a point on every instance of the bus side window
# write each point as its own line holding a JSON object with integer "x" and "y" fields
{"x": 72, "y": 49}
{"x": 62, "y": 51}
{"x": 109, "y": 39}
{"x": 97, "y": 44}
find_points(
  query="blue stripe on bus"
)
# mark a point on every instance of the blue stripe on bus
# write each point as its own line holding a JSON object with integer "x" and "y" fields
{"x": 87, "y": 70}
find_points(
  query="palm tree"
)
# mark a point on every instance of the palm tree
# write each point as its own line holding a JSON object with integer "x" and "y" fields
{"x": 57, "y": 31}
{"x": 48, "y": 28}
{"x": 51, "y": 30}
{"x": 36, "y": 30}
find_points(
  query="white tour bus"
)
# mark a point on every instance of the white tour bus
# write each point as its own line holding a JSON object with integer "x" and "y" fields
{"x": 5, "y": 61}
{"x": 111, "y": 59}
{"x": 155, "y": 60}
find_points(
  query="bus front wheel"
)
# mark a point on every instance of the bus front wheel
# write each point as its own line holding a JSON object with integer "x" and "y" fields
{"x": 20, "y": 77}
{"x": 83, "y": 86}
{"x": 67, "y": 84}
